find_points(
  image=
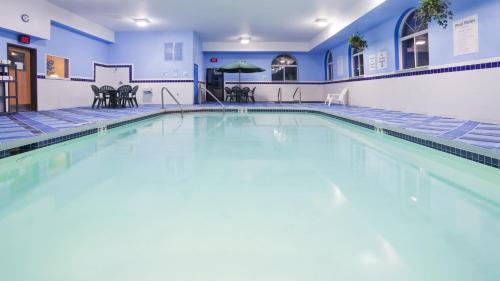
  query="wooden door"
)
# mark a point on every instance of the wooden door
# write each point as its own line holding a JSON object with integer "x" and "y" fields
{"x": 22, "y": 58}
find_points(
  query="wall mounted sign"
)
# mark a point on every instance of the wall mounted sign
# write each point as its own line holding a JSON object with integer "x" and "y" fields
{"x": 372, "y": 62}
{"x": 214, "y": 60}
{"x": 466, "y": 36}
{"x": 340, "y": 66}
{"x": 382, "y": 60}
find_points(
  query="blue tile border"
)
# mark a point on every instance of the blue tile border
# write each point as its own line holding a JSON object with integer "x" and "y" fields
{"x": 476, "y": 157}
{"x": 49, "y": 142}
{"x": 489, "y": 161}
{"x": 468, "y": 67}
{"x": 276, "y": 83}
{"x": 130, "y": 71}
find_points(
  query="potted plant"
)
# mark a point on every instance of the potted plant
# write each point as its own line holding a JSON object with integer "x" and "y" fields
{"x": 358, "y": 42}
{"x": 438, "y": 10}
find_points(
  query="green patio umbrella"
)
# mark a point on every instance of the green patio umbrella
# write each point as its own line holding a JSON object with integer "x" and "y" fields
{"x": 240, "y": 67}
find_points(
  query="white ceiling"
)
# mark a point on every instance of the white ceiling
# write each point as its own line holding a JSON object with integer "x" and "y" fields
{"x": 225, "y": 20}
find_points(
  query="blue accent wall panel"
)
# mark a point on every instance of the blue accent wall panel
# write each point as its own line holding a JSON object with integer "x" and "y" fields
{"x": 146, "y": 51}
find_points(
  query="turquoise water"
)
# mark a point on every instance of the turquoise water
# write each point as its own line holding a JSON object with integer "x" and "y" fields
{"x": 246, "y": 197}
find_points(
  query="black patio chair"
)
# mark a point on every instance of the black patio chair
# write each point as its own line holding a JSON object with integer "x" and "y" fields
{"x": 124, "y": 92}
{"x": 104, "y": 90}
{"x": 244, "y": 94}
{"x": 236, "y": 93}
{"x": 229, "y": 94}
{"x": 133, "y": 96}
{"x": 98, "y": 98}
{"x": 251, "y": 95}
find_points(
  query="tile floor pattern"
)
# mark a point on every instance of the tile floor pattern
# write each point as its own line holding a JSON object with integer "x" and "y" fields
{"x": 29, "y": 124}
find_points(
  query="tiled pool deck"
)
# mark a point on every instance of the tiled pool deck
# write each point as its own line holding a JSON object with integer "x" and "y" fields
{"x": 22, "y": 130}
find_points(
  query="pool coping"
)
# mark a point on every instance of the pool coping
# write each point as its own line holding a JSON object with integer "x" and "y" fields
{"x": 477, "y": 154}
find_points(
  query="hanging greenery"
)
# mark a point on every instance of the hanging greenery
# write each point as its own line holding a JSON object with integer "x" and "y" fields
{"x": 357, "y": 41}
{"x": 435, "y": 10}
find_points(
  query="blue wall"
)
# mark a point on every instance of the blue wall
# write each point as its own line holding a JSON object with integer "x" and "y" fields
{"x": 379, "y": 28}
{"x": 311, "y": 66}
{"x": 81, "y": 49}
{"x": 145, "y": 50}
{"x": 441, "y": 46}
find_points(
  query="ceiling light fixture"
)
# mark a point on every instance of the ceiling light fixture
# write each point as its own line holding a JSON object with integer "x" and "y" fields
{"x": 142, "y": 22}
{"x": 244, "y": 40}
{"x": 321, "y": 22}
{"x": 421, "y": 42}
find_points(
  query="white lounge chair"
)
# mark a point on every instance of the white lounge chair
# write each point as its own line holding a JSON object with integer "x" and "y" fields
{"x": 337, "y": 98}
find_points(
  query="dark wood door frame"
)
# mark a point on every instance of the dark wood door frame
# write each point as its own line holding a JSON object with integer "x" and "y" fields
{"x": 33, "y": 78}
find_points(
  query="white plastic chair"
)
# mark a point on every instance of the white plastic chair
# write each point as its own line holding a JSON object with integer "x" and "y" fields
{"x": 340, "y": 98}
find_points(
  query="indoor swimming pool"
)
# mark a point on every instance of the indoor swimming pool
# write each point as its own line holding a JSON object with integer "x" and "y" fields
{"x": 241, "y": 197}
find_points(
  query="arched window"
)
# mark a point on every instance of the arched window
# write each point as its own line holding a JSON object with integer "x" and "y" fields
{"x": 414, "y": 42}
{"x": 357, "y": 64}
{"x": 284, "y": 68}
{"x": 329, "y": 66}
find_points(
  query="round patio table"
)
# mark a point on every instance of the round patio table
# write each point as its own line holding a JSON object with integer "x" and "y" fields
{"x": 113, "y": 98}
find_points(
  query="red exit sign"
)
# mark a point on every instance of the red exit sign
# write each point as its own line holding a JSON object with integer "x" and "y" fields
{"x": 25, "y": 39}
{"x": 214, "y": 60}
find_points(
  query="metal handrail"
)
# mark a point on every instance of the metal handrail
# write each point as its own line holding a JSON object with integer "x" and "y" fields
{"x": 173, "y": 97}
{"x": 299, "y": 90}
{"x": 214, "y": 97}
{"x": 280, "y": 95}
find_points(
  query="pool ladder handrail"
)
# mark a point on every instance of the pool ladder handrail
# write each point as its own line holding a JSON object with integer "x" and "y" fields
{"x": 299, "y": 91}
{"x": 205, "y": 90}
{"x": 280, "y": 95}
{"x": 173, "y": 97}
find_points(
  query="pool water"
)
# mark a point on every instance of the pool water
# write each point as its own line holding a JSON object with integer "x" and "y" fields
{"x": 240, "y": 197}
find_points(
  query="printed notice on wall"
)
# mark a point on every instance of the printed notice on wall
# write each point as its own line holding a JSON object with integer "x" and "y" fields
{"x": 466, "y": 36}
{"x": 372, "y": 62}
{"x": 382, "y": 60}
{"x": 340, "y": 66}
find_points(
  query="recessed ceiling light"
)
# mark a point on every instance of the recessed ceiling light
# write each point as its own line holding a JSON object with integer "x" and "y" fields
{"x": 142, "y": 22}
{"x": 321, "y": 22}
{"x": 244, "y": 40}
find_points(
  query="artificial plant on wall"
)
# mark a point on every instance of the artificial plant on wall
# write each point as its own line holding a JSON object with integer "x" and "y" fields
{"x": 435, "y": 10}
{"x": 358, "y": 42}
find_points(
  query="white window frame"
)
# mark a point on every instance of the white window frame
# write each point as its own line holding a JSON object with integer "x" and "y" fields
{"x": 173, "y": 53}
{"x": 360, "y": 62}
{"x": 284, "y": 70}
{"x": 414, "y": 37}
{"x": 57, "y": 78}
{"x": 329, "y": 66}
